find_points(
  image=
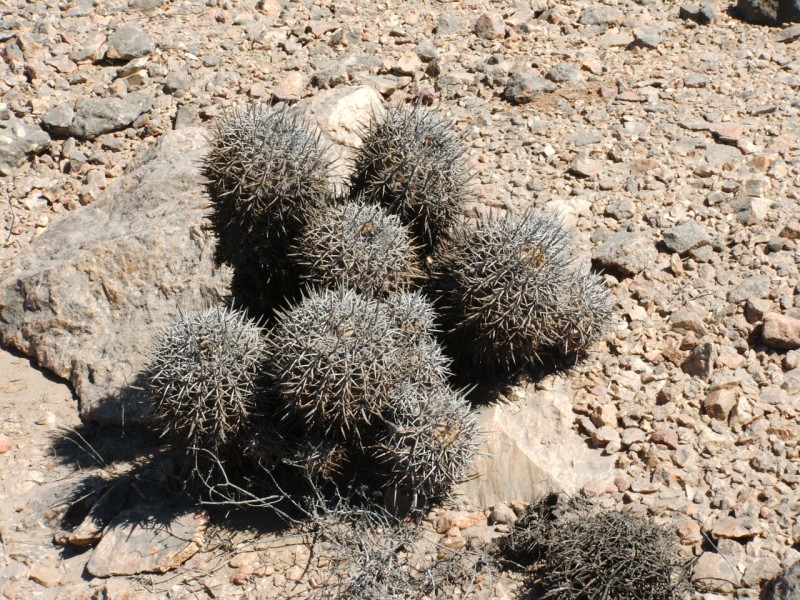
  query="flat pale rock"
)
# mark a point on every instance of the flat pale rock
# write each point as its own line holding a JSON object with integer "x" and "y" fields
{"x": 713, "y": 573}
{"x": 148, "y": 538}
{"x": 627, "y": 252}
{"x": 96, "y": 116}
{"x": 530, "y": 449}
{"x": 736, "y": 528}
{"x": 87, "y": 296}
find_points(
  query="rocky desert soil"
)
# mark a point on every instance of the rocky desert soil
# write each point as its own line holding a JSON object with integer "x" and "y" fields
{"x": 669, "y": 137}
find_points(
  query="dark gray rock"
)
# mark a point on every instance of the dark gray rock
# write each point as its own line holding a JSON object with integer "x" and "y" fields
{"x": 685, "y": 237}
{"x": 17, "y": 140}
{"x": 129, "y": 42}
{"x": 700, "y": 362}
{"x": 58, "y": 119}
{"x": 563, "y": 72}
{"x": 627, "y": 253}
{"x": 755, "y": 286}
{"x": 785, "y": 586}
{"x": 704, "y": 13}
{"x": 449, "y": 24}
{"x": 789, "y": 34}
{"x": 426, "y": 51}
{"x": 524, "y": 86}
{"x": 96, "y": 116}
{"x": 760, "y": 12}
{"x": 87, "y": 296}
{"x": 600, "y": 15}
{"x": 177, "y": 81}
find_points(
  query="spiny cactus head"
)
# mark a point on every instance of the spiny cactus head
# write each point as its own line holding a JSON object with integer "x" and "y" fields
{"x": 357, "y": 245}
{"x": 204, "y": 377}
{"x": 413, "y": 162}
{"x": 499, "y": 283}
{"x": 587, "y": 313}
{"x": 266, "y": 169}
{"x": 430, "y": 440}
{"x": 414, "y": 313}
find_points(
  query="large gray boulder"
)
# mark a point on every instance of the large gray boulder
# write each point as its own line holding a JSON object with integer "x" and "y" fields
{"x": 86, "y": 298}
{"x": 769, "y": 12}
{"x": 786, "y": 586}
{"x": 530, "y": 449}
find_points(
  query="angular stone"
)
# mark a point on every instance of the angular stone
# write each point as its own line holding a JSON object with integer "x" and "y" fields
{"x": 129, "y": 42}
{"x": 700, "y": 362}
{"x": 96, "y": 116}
{"x": 490, "y": 26}
{"x": 563, "y": 72}
{"x": 58, "y": 119}
{"x": 461, "y": 519}
{"x": 789, "y": 34}
{"x": 628, "y": 253}
{"x": 781, "y": 332}
{"x": 786, "y": 586}
{"x": 529, "y": 449}
{"x": 290, "y": 87}
{"x": 148, "y": 538}
{"x": 713, "y": 573}
{"x": 704, "y": 14}
{"x": 685, "y": 237}
{"x": 755, "y": 286}
{"x": 17, "y": 141}
{"x": 88, "y": 294}
{"x": 755, "y": 309}
{"x": 107, "y": 506}
{"x": 524, "y": 86}
{"x": 647, "y": 37}
{"x": 600, "y": 15}
{"x": 583, "y": 166}
{"x": 684, "y": 319}
{"x": 736, "y": 528}
{"x": 759, "y": 12}
{"x": 719, "y": 403}
{"x": 502, "y": 514}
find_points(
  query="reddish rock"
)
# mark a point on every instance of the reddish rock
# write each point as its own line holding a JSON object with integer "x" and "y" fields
{"x": 781, "y": 332}
{"x": 5, "y": 443}
{"x": 713, "y": 573}
{"x": 45, "y": 575}
{"x": 736, "y": 528}
{"x": 665, "y": 436}
{"x": 719, "y": 403}
{"x": 460, "y": 519}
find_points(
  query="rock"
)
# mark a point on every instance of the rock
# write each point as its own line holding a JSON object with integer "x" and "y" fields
{"x": 685, "y": 237}
{"x": 426, "y": 51}
{"x": 700, "y": 362}
{"x": 502, "y": 514}
{"x": 736, "y": 528}
{"x": 129, "y": 42}
{"x": 666, "y": 437}
{"x": 627, "y": 253}
{"x": 786, "y": 586}
{"x": 45, "y": 575}
{"x": 604, "y": 436}
{"x": 17, "y": 141}
{"x": 342, "y": 113}
{"x": 490, "y": 26}
{"x": 148, "y": 538}
{"x": 449, "y": 24}
{"x": 713, "y": 573}
{"x": 5, "y": 443}
{"x": 719, "y": 403}
{"x": 685, "y": 319}
{"x": 408, "y": 63}
{"x": 290, "y": 87}
{"x": 530, "y": 449}
{"x": 107, "y": 506}
{"x": 563, "y": 72}
{"x": 96, "y": 116}
{"x": 524, "y": 86}
{"x": 755, "y": 286}
{"x": 755, "y": 309}
{"x": 460, "y": 519}
{"x": 704, "y": 14}
{"x": 87, "y": 295}
{"x": 583, "y": 166}
{"x": 600, "y": 15}
{"x": 789, "y": 34}
{"x": 58, "y": 119}
{"x": 781, "y": 332}
{"x": 760, "y": 12}
{"x": 646, "y": 37}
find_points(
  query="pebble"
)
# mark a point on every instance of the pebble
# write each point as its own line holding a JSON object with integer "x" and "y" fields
{"x": 524, "y": 86}
{"x": 781, "y": 332}
{"x": 685, "y": 237}
{"x": 129, "y": 42}
{"x": 627, "y": 253}
{"x": 490, "y": 26}
{"x": 719, "y": 403}
{"x": 6, "y": 443}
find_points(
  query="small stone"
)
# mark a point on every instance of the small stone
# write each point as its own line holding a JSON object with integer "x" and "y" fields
{"x": 605, "y": 415}
{"x": 460, "y": 519}
{"x": 684, "y": 320}
{"x": 703, "y": 14}
{"x": 5, "y": 443}
{"x": 58, "y": 119}
{"x": 645, "y": 487}
{"x": 603, "y": 436}
{"x": 755, "y": 286}
{"x": 449, "y": 24}
{"x": 45, "y": 575}
{"x": 563, "y": 72}
{"x": 502, "y": 514}
{"x": 789, "y": 34}
{"x": 665, "y": 436}
{"x": 426, "y": 51}
{"x": 490, "y": 26}
{"x": 177, "y": 81}
{"x": 727, "y": 133}
{"x": 17, "y": 141}
{"x": 755, "y": 309}
{"x": 685, "y": 237}
{"x": 713, "y": 573}
{"x": 719, "y": 403}
{"x": 690, "y": 532}
{"x": 632, "y": 435}
{"x": 600, "y": 15}
{"x": 294, "y": 573}
{"x": 524, "y": 86}
{"x": 736, "y": 528}
{"x": 628, "y": 253}
{"x": 96, "y": 116}
{"x": 700, "y": 362}
{"x": 291, "y": 87}
{"x": 129, "y": 42}
{"x": 408, "y": 64}
{"x": 791, "y": 231}
{"x": 646, "y": 37}
{"x": 583, "y": 166}
{"x": 781, "y": 332}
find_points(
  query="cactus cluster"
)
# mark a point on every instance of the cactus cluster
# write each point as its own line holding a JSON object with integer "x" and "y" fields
{"x": 352, "y": 374}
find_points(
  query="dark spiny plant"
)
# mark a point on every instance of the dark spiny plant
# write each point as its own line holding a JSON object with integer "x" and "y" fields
{"x": 578, "y": 551}
{"x": 429, "y": 442}
{"x": 587, "y": 313}
{"x": 500, "y": 283}
{"x": 357, "y": 245}
{"x": 337, "y": 355}
{"x": 413, "y": 162}
{"x": 414, "y": 313}
{"x": 204, "y": 378}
